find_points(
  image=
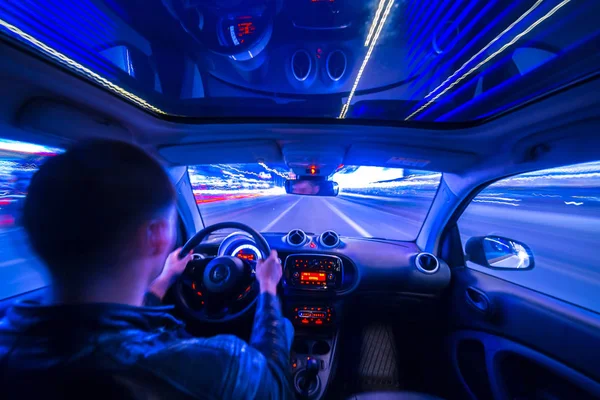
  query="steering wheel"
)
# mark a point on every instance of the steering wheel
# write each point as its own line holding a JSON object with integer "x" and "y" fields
{"x": 219, "y": 289}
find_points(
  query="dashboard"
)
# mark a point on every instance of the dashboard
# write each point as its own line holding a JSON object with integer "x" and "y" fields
{"x": 326, "y": 264}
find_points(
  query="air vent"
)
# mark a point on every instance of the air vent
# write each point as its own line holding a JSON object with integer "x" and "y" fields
{"x": 329, "y": 239}
{"x": 449, "y": 31}
{"x": 296, "y": 237}
{"x": 301, "y": 65}
{"x": 427, "y": 263}
{"x": 336, "y": 64}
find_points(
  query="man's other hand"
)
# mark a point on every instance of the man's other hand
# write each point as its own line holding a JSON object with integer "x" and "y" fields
{"x": 173, "y": 268}
{"x": 268, "y": 273}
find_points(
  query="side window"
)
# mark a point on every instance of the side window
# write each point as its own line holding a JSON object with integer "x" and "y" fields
{"x": 20, "y": 271}
{"x": 540, "y": 230}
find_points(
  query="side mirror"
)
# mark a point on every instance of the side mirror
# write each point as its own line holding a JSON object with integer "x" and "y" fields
{"x": 499, "y": 253}
{"x": 311, "y": 187}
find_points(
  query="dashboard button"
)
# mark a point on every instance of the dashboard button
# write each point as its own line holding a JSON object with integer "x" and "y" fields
{"x": 330, "y": 277}
{"x": 296, "y": 274}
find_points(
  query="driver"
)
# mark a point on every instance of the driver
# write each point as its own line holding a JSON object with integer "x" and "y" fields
{"x": 102, "y": 217}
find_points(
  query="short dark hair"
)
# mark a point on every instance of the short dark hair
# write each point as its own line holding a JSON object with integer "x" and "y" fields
{"x": 82, "y": 203}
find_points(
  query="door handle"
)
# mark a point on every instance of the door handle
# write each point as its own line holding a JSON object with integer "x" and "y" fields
{"x": 478, "y": 300}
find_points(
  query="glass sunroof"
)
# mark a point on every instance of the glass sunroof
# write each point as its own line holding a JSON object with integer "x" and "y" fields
{"x": 400, "y": 60}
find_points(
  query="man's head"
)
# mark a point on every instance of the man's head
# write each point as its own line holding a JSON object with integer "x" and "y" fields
{"x": 98, "y": 209}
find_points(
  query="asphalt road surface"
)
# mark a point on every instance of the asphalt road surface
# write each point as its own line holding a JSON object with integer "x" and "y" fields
{"x": 356, "y": 215}
{"x": 563, "y": 238}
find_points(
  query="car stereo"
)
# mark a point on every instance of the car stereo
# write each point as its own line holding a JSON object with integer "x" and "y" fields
{"x": 313, "y": 272}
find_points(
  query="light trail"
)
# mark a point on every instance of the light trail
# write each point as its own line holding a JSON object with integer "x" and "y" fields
{"x": 491, "y": 56}
{"x": 345, "y": 107}
{"x": 374, "y": 22}
{"x": 72, "y": 64}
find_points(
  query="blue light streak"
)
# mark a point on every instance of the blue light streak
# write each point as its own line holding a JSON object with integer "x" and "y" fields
{"x": 457, "y": 21}
{"x": 510, "y": 82}
{"x": 490, "y": 57}
{"x": 487, "y": 46}
{"x": 432, "y": 22}
{"x": 422, "y": 15}
{"x": 448, "y": 64}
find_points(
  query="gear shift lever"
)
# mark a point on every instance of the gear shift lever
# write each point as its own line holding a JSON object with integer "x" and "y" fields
{"x": 312, "y": 368}
{"x": 309, "y": 382}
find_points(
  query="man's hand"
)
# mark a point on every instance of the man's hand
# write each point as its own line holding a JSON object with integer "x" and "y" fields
{"x": 268, "y": 274}
{"x": 171, "y": 271}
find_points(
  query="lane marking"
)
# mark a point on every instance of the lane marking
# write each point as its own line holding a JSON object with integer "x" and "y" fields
{"x": 276, "y": 220}
{"x": 348, "y": 220}
{"x": 495, "y": 202}
{"x": 367, "y": 196}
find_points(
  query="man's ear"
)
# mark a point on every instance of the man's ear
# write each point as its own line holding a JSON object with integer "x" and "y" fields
{"x": 159, "y": 236}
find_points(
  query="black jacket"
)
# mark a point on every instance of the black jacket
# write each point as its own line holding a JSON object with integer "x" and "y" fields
{"x": 120, "y": 340}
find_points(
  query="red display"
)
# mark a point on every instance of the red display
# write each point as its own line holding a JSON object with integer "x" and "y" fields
{"x": 246, "y": 255}
{"x": 310, "y": 315}
{"x": 317, "y": 272}
{"x": 244, "y": 27}
{"x": 313, "y": 276}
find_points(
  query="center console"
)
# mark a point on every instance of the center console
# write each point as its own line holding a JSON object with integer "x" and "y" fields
{"x": 311, "y": 282}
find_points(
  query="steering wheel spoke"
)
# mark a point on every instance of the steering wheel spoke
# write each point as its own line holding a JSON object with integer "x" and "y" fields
{"x": 195, "y": 267}
{"x": 252, "y": 267}
{"x": 188, "y": 281}
{"x": 193, "y": 274}
{"x": 248, "y": 291}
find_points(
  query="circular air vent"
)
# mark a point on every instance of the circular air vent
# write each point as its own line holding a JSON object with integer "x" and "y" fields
{"x": 329, "y": 239}
{"x": 449, "y": 30}
{"x": 335, "y": 65}
{"x": 296, "y": 237}
{"x": 301, "y": 65}
{"x": 427, "y": 263}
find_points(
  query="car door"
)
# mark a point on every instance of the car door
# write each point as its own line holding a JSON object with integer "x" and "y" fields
{"x": 524, "y": 304}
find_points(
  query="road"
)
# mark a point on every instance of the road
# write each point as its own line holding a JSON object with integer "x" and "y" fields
{"x": 562, "y": 237}
{"x": 348, "y": 215}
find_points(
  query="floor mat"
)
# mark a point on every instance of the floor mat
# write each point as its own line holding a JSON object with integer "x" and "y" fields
{"x": 377, "y": 368}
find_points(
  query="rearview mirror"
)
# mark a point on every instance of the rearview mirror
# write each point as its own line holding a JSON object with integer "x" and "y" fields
{"x": 310, "y": 187}
{"x": 499, "y": 252}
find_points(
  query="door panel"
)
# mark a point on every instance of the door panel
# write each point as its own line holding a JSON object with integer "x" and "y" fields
{"x": 527, "y": 344}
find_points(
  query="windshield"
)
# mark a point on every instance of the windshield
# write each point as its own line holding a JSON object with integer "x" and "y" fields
{"x": 388, "y": 203}
{"x": 411, "y": 60}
